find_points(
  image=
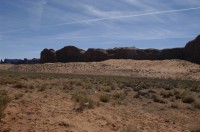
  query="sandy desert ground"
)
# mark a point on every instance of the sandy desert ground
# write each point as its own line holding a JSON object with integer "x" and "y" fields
{"x": 113, "y": 95}
{"x": 135, "y": 68}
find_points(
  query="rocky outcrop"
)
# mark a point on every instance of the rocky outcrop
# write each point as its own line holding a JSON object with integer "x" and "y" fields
{"x": 134, "y": 53}
{"x": 96, "y": 55}
{"x": 48, "y": 56}
{"x": 147, "y": 54}
{"x": 192, "y": 50}
{"x": 175, "y": 53}
{"x": 122, "y": 53}
{"x": 70, "y": 54}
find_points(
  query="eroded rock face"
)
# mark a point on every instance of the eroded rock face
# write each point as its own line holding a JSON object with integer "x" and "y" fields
{"x": 122, "y": 53}
{"x": 175, "y": 53}
{"x": 134, "y": 53}
{"x": 96, "y": 55}
{"x": 148, "y": 54}
{"x": 48, "y": 56}
{"x": 192, "y": 50}
{"x": 70, "y": 54}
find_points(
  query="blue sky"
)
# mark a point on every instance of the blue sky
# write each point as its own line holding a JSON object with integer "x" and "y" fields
{"x": 29, "y": 26}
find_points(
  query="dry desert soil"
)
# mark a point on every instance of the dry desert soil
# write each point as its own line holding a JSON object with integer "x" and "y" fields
{"x": 108, "y": 96}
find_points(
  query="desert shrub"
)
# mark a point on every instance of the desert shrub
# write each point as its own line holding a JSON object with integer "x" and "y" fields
{"x": 152, "y": 91}
{"x": 107, "y": 89}
{"x": 137, "y": 95}
{"x": 166, "y": 94}
{"x": 43, "y": 87}
{"x": 24, "y": 78}
{"x": 104, "y": 98}
{"x": 195, "y": 88}
{"x": 177, "y": 94}
{"x": 157, "y": 99}
{"x": 18, "y": 96}
{"x": 143, "y": 92}
{"x": 82, "y": 101}
{"x": 119, "y": 95}
{"x": 120, "y": 98}
{"x": 187, "y": 97}
{"x": 113, "y": 86}
{"x": 167, "y": 87}
{"x": 31, "y": 86}
{"x": 196, "y": 105}
{"x": 19, "y": 85}
{"x": 174, "y": 106}
{"x": 130, "y": 128}
{"x": 4, "y": 100}
{"x": 195, "y": 130}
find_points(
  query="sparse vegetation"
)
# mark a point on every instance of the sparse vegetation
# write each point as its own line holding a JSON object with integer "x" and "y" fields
{"x": 19, "y": 85}
{"x": 82, "y": 101}
{"x": 104, "y": 98}
{"x": 130, "y": 128}
{"x": 174, "y": 106}
{"x": 187, "y": 97}
{"x": 166, "y": 94}
{"x": 18, "y": 96}
{"x": 196, "y": 105}
{"x": 88, "y": 92}
{"x": 157, "y": 99}
{"x": 4, "y": 100}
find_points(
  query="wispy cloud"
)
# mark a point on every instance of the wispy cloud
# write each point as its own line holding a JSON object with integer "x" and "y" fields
{"x": 130, "y": 16}
{"x": 33, "y": 25}
{"x": 152, "y": 34}
{"x": 36, "y": 13}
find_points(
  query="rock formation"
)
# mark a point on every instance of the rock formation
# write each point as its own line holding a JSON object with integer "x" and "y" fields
{"x": 96, "y": 55}
{"x": 175, "y": 53}
{"x": 190, "y": 52}
{"x": 122, "y": 53}
{"x": 48, "y": 56}
{"x": 70, "y": 54}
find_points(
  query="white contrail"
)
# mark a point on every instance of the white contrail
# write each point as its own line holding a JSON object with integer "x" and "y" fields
{"x": 128, "y": 16}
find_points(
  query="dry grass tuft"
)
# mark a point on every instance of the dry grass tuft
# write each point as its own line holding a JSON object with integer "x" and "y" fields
{"x": 4, "y": 100}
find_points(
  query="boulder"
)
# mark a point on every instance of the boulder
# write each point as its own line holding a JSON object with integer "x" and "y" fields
{"x": 70, "y": 54}
{"x": 48, "y": 56}
{"x": 192, "y": 50}
{"x": 96, "y": 55}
